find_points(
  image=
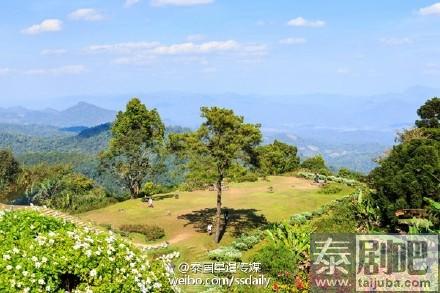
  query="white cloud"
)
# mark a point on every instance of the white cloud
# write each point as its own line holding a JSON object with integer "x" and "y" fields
{"x": 5, "y": 71}
{"x": 396, "y": 41}
{"x": 195, "y": 37}
{"x": 191, "y": 48}
{"x": 432, "y": 69}
{"x": 63, "y": 70}
{"x": 47, "y": 25}
{"x": 123, "y": 48}
{"x": 129, "y": 3}
{"x": 53, "y": 52}
{"x": 156, "y": 48}
{"x": 343, "y": 70}
{"x": 87, "y": 14}
{"x": 180, "y": 2}
{"x": 293, "y": 41}
{"x": 434, "y": 9}
{"x": 300, "y": 21}
{"x": 141, "y": 53}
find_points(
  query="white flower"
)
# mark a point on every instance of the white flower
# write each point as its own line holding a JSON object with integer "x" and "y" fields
{"x": 44, "y": 259}
{"x": 93, "y": 273}
{"x": 9, "y": 267}
{"x": 25, "y": 273}
{"x": 34, "y": 259}
{"x": 51, "y": 241}
{"x": 48, "y": 288}
{"x": 18, "y": 267}
{"x": 37, "y": 264}
{"x": 41, "y": 282}
{"x": 15, "y": 250}
{"x": 51, "y": 234}
{"x": 6, "y": 256}
{"x": 26, "y": 290}
{"x": 89, "y": 253}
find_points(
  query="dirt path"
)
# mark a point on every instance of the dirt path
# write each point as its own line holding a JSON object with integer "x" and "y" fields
{"x": 181, "y": 237}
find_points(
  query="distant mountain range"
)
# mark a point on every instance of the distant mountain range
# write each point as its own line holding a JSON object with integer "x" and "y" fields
{"x": 327, "y": 117}
{"x": 82, "y": 114}
{"x": 348, "y": 130}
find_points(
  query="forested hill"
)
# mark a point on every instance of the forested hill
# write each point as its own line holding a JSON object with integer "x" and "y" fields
{"x": 34, "y": 144}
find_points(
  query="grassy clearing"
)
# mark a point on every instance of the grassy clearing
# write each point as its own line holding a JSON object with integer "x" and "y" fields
{"x": 250, "y": 205}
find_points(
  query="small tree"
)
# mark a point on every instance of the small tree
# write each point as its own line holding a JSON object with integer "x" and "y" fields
{"x": 277, "y": 158}
{"x": 315, "y": 164}
{"x": 134, "y": 149}
{"x": 9, "y": 169}
{"x": 429, "y": 114}
{"x": 222, "y": 141}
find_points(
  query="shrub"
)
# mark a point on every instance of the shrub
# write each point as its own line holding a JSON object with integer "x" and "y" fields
{"x": 330, "y": 189}
{"x": 246, "y": 242}
{"x": 151, "y": 232}
{"x": 276, "y": 260}
{"x": 59, "y": 187}
{"x": 226, "y": 253}
{"x": 40, "y": 253}
{"x": 316, "y": 164}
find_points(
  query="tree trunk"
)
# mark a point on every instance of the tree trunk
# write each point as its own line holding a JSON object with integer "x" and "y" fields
{"x": 219, "y": 211}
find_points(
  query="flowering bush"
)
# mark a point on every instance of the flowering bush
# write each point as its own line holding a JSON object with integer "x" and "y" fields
{"x": 45, "y": 254}
{"x": 226, "y": 253}
{"x": 246, "y": 242}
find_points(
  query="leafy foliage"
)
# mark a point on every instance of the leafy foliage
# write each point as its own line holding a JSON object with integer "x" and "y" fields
{"x": 9, "y": 169}
{"x": 316, "y": 164}
{"x": 226, "y": 253}
{"x": 41, "y": 253}
{"x": 429, "y": 114}
{"x": 134, "y": 149}
{"x": 151, "y": 232}
{"x": 222, "y": 141}
{"x": 277, "y": 158}
{"x": 407, "y": 175}
{"x": 59, "y": 187}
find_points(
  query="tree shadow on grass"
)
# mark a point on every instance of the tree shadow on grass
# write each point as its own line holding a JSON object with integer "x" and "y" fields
{"x": 240, "y": 220}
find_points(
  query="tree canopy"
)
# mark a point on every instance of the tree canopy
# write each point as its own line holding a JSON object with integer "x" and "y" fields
{"x": 134, "y": 149}
{"x": 277, "y": 158}
{"x": 411, "y": 170}
{"x": 429, "y": 114}
{"x": 315, "y": 164}
{"x": 9, "y": 169}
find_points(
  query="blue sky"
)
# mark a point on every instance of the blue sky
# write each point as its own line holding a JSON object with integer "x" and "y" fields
{"x": 53, "y": 48}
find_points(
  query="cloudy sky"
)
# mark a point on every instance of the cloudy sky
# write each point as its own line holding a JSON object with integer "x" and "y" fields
{"x": 52, "y": 48}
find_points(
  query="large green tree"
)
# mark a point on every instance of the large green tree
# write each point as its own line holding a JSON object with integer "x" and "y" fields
{"x": 410, "y": 171}
{"x": 135, "y": 147}
{"x": 9, "y": 169}
{"x": 429, "y": 114}
{"x": 277, "y": 158}
{"x": 222, "y": 141}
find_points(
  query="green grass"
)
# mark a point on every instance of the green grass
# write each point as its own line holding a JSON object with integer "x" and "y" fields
{"x": 250, "y": 205}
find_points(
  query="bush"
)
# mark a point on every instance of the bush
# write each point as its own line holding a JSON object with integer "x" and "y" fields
{"x": 226, "y": 253}
{"x": 276, "y": 260}
{"x": 316, "y": 164}
{"x": 59, "y": 187}
{"x": 330, "y": 189}
{"x": 246, "y": 242}
{"x": 40, "y": 253}
{"x": 151, "y": 232}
